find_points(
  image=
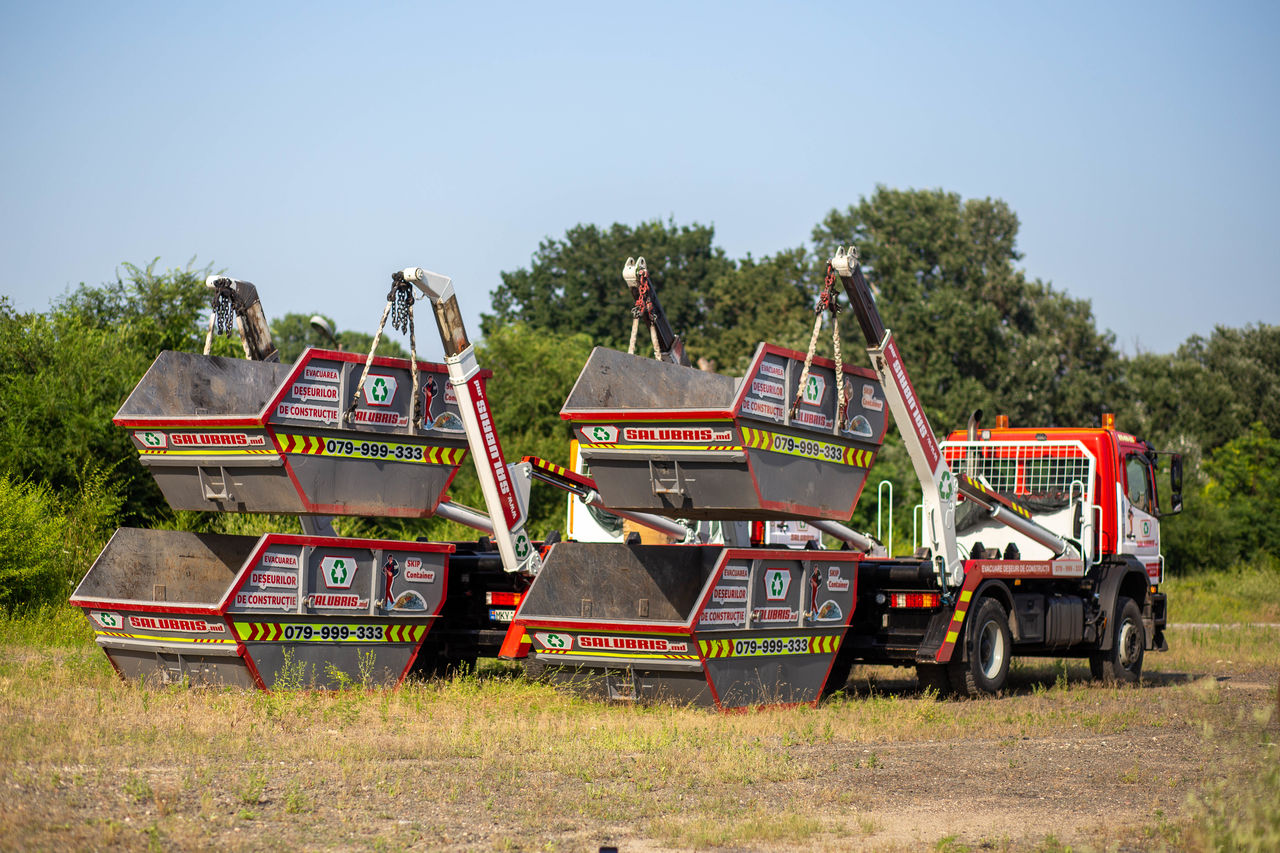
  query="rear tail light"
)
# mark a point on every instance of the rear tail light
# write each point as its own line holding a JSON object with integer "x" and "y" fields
{"x": 914, "y": 599}
{"x": 508, "y": 599}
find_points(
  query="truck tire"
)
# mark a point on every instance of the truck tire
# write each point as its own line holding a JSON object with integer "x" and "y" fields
{"x": 933, "y": 676}
{"x": 990, "y": 647}
{"x": 1122, "y": 663}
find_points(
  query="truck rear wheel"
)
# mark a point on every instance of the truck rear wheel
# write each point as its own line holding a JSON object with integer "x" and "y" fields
{"x": 1122, "y": 663}
{"x": 990, "y": 647}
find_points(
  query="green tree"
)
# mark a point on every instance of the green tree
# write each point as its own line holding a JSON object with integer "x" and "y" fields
{"x": 158, "y": 310}
{"x": 575, "y": 286}
{"x": 292, "y": 333}
{"x": 533, "y": 371}
{"x": 1234, "y": 511}
{"x": 767, "y": 299}
{"x": 1211, "y": 389}
{"x": 65, "y": 373}
{"x": 973, "y": 330}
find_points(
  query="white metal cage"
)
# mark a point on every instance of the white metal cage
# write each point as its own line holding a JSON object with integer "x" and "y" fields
{"x": 1046, "y": 477}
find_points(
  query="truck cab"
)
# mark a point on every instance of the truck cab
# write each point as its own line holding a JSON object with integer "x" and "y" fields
{"x": 1094, "y": 487}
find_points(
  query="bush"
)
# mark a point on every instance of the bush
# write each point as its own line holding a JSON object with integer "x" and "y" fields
{"x": 47, "y": 543}
{"x": 33, "y": 566}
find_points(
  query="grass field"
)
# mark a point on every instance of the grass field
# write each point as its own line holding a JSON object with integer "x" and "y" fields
{"x": 489, "y": 761}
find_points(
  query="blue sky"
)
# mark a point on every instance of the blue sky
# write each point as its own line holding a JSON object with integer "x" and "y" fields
{"x": 313, "y": 148}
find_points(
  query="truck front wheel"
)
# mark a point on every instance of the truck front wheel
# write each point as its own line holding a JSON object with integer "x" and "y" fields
{"x": 1122, "y": 663}
{"x": 990, "y": 646}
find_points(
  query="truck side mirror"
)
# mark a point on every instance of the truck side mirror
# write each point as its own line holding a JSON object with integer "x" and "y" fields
{"x": 1175, "y": 484}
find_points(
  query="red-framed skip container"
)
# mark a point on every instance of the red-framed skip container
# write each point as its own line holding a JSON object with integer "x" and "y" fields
{"x": 230, "y": 435}
{"x": 275, "y": 611}
{"x": 707, "y": 625}
{"x": 671, "y": 440}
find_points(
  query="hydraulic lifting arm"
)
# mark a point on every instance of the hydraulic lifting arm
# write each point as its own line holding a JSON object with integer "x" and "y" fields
{"x": 936, "y": 479}
{"x": 939, "y": 484}
{"x": 237, "y": 300}
{"x": 506, "y": 508}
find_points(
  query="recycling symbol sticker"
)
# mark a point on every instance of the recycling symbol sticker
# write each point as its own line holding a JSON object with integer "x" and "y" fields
{"x": 946, "y": 486}
{"x": 776, "y": 584}
{"x": 379, "y": 389}
{"x": 601, "y": 434}
{"x": 338, "y": 572}
{"x": 555, "y": 641}
{"x": 814, "y": 390}
{"x": 152, "y": 439}
{"x": 107, "y": 620}
{"x": 522, "y": 546}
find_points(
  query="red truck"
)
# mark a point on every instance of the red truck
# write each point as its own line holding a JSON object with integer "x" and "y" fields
{"x": 1034, "y": 541}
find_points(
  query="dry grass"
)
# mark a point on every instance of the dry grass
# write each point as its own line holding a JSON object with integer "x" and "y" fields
{"x": 494, "y": 762}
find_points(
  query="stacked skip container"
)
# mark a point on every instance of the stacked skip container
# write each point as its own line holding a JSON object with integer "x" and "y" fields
{"x": 332, "y": 434}
{"x": 709, "y": 623}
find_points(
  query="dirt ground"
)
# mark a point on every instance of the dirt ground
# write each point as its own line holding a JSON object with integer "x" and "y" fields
{"x": 497, "y": 764}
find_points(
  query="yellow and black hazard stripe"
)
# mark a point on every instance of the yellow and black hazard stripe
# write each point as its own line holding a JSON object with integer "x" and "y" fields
{"x": 808, "y": 448}
{"x": 770, "y": 646}
{"x": 969, "y": 485}
{"x": 364, "y": 449}
{"x": 169, "y": 638}
{"x": 956, "y": 625}
{"x": 613, "y": 653}
{"x": 207, "y": 451}
{"x": 693, "y": 448}
{"x": 276, "y": 632}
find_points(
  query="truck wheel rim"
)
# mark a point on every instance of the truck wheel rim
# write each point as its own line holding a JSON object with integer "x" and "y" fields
{"x": 1128, "y": 645}
{"x": 990, "y": 650}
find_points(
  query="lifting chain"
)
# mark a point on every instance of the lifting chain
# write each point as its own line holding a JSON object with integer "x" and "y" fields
{"x": 644, "y": 308}
{"x": 401, "y": 298}
{"x": 399, "y": 309}
{"x": 827, "y": 303}
{"x": 222, "y": 318}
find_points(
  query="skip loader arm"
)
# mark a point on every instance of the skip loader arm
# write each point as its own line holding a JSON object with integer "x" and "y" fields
{"x": 502, "y": 491}
{"x": 936, "y": 479}
{"x": 667, "y": 344}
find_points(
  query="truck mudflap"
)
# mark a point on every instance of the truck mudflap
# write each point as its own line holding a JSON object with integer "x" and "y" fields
{"x": 706, "y": 625}
{"x": 230, "y": 435}
{"x": 685, "y": 443}
{"x": 274, "y": 611}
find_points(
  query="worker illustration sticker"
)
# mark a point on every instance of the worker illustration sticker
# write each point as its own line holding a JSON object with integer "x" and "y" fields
{"x": 600, "y": 434}
{"x": 429, "y": 392}
{"x": 379, "y": 389}
{"x": 338, "y": 572}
